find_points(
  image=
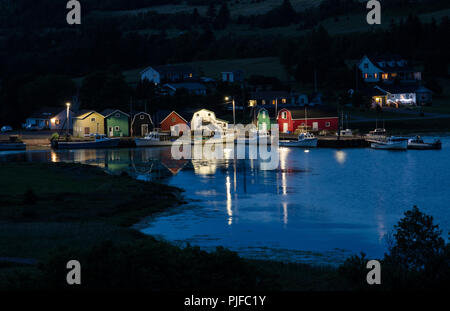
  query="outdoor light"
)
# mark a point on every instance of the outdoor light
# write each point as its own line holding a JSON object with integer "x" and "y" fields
{"x": 227, "y": 98}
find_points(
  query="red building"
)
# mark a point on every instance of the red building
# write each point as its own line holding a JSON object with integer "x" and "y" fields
{"x": 171, "y": 123}
{"x": 317, "y": 119}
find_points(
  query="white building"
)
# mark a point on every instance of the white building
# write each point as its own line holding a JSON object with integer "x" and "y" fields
{"x": 206, "y": 120}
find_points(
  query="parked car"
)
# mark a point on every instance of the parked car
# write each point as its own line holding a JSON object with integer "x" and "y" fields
{"x": 6, "y": 128}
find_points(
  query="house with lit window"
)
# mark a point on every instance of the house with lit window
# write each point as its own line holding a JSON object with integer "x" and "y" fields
{"x": 87, "y": 123}
{"x": 117, "y": 123}
{"x": 315, "y": 119}
{"x": 49, "y": 118}
{"x": 169, "y": 73}
{"x": 388, "y": 69}
{"x": 400, "y": 96}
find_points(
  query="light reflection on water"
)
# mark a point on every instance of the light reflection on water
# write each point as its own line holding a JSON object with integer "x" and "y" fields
{"x": 319, "y": 206}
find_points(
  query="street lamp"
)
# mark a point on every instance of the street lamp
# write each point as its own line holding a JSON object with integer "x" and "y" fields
{"x": 227, "y": 98}
{"x": 67, "y": 118}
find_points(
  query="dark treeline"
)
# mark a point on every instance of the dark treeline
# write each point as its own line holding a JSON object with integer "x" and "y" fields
{"x": 318, "y": 51}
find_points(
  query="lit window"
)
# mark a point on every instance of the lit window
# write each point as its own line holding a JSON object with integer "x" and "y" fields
{"x": 385, "y": 76}
{"x": 366, "y": 76}
{"x": 252, "y": 103}
{"x": 274, "y": 102}
{"x": 284, "y": 115}
{"x": 375, "y": 76}
{"x": 283, "y": 100}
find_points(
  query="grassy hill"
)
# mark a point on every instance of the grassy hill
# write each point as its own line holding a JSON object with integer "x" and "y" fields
{"x": 243, "y": 7}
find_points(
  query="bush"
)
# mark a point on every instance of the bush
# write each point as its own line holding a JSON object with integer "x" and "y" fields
{"x": 55, "y": 136}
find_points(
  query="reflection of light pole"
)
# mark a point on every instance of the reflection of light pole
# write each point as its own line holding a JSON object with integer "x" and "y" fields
{"x": 234, "y": 107}
{"x": 67, "y": 118}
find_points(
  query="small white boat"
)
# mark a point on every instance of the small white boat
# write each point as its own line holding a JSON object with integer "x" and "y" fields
{"x": 153, "y": 139}
{"x": 100, "y": 141}
{"x": 391, "y": 143}
{"x": 417, "y": 143}
{"x": 305, "y": 140}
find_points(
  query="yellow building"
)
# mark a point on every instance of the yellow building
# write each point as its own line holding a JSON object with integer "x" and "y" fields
{"x": 88, "y": 122}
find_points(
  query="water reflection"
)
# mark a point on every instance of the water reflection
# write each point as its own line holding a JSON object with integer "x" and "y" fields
{"x": 318, "y": 200}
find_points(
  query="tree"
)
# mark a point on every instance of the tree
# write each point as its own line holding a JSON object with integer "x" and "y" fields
{"x": 223, "y": 17}
{"x": 417, "y": 241}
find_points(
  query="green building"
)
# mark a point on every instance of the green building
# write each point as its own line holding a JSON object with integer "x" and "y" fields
{"x": 117, "y": 123}
{"x": 263, "y": 120}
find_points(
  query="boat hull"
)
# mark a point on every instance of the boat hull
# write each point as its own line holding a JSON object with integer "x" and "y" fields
{"x": 110, "y": 143}
{"x": 306, "y": 143}
{"x": 142, "y": 142}
{"x": 400, "y": 145}
{"x": 425, "y": 146}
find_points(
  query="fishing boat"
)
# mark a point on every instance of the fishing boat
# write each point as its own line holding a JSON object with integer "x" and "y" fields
{"x": 100, "y": 141}
{"x": 153, "y": 139}
{"x": 391, "y": 143}
{"x": 305, "y": 140}
{"x": 417, "y": 143}
{"x": 379, "y": 134}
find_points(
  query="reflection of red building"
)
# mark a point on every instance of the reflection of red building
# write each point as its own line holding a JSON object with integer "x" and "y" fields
{"x": 171, "y": 123}
{"x": 317, "y": 119}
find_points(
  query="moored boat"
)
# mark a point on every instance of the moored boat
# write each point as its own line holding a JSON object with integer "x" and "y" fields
{"x": 100, "y": 141}
{"x": 305, "y": 140}
{"x": 391, "y": 143}
{"x": 379, "y": 134}
{"x": 417, "y": 143}
{"x": 153, "y": 139}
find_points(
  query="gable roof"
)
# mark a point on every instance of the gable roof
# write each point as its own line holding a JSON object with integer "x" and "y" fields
{"x": 108, "y": 112}
{"x": 139, "y": 113}
{"x": 84, "y": 113}
{"x": 313, "y": 113}
{"x": 176, "y": 114}
{"x": 46, "y": 112}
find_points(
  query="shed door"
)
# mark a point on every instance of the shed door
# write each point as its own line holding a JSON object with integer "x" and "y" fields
{"x": 315, "y": 125}
{"x": 285, "y": 128}
{"x": 86, "y": 131}
{"x": 264, "y": 127}
{"x": 144, "y": 129}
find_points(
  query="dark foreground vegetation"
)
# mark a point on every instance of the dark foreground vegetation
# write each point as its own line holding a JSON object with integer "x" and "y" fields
{"x": 52, "y": 213}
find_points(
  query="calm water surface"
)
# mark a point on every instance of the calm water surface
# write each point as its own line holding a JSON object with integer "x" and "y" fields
{"x": 319, "y": 206}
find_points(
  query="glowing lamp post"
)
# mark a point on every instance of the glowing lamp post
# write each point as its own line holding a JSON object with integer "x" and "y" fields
{"x": 67, "y": 118}
{"x": 234, "y": 107}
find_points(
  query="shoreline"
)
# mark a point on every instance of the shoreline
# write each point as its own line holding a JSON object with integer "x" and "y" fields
{"x": 37, "y": 227}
